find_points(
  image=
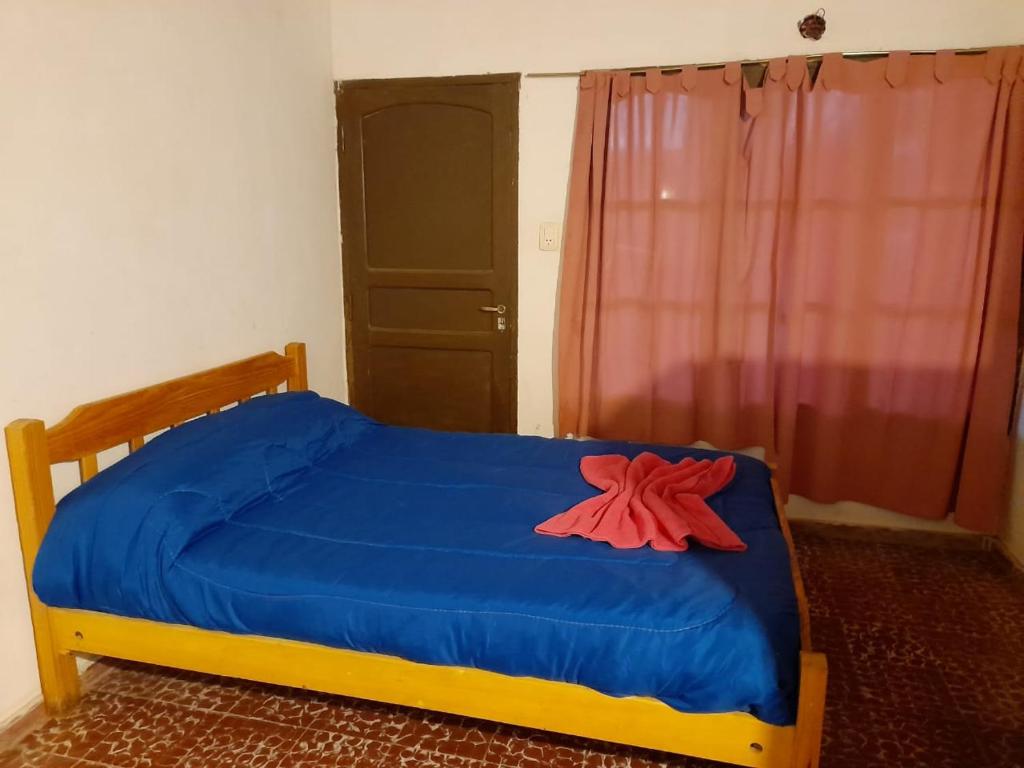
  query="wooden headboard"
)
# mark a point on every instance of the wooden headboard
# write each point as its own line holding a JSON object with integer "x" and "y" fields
{"x": 127, "y": 419}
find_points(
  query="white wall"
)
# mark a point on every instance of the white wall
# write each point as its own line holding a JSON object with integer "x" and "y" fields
{"x": 167, "y": 203}
{"x": 449, "y": 37}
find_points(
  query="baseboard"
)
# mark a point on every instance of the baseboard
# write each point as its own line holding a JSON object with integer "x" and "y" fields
{"x": 21, "y": 722}
{"x": 854, "y": 513}
{"x": 1000, "y": 546}
{"x": 31, "y": 715}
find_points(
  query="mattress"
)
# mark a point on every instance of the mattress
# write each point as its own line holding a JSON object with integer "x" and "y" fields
{"x": 295, "y": 516}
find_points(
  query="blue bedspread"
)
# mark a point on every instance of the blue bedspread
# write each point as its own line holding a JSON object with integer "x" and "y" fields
{"x": 295, "y": 516}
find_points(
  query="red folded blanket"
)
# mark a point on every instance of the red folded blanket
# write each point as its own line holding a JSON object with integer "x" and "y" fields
{"x": 649, "y": 500}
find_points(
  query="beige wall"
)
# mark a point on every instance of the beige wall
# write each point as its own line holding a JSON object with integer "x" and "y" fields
{"x": 448, "y": 37}
{"x": 445, "y": 37}
{"x": 167, "y": 203}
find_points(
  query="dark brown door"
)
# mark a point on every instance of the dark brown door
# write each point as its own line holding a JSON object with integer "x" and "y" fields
{"x": 428, "y": 219}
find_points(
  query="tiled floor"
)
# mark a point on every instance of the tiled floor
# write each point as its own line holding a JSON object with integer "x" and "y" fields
{"x": 925, "y": 639}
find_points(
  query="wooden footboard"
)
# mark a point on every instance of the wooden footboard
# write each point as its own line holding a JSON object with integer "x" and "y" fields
{"x": 561, "y": 707}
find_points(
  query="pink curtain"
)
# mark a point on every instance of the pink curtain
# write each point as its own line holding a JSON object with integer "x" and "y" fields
{"x": 829, "y": 270}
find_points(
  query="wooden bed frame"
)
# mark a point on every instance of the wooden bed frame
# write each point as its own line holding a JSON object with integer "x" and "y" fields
{"x": 61, "y": 633}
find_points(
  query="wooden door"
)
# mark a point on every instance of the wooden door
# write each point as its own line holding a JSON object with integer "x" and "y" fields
{"x": 428, "y": 171}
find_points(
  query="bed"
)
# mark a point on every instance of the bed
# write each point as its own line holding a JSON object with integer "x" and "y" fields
{"x": 292, "y": 540}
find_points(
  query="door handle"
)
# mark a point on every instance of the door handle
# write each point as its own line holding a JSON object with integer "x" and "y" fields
{"x": 500, "y": 309}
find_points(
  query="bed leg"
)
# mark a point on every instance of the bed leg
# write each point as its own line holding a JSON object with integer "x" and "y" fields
{"x": 34, "y": 507}
{"x": 810, "y": 717}
{"x": 58, "y": 672}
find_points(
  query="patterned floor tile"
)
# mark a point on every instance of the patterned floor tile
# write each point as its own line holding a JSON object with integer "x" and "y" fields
{"x": 1000, "y": 747}
{"x": 446, "y": 735}
{"x": 323, "y": 749}
{"x": 125, "y": 678}
{"x": 209, "y": 692}
{"x": 523, "y": 748}
{"x": 21, "y": 758}
{"x": 364, "y": 719}
{"x": 414, "y": 757}
{"x": 239, "y": 741}
{"x": 75, "y": 734}
{"x": 151, "y": 734}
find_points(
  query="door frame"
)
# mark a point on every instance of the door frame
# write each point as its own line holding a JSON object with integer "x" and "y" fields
{"x": 346, "y": 218}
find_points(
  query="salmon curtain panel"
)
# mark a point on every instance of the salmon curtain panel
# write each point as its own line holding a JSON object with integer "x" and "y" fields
{"x": 831, "y": 270}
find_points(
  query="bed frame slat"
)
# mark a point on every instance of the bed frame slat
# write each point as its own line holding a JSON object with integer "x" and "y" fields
{"x": 88, "y": 466}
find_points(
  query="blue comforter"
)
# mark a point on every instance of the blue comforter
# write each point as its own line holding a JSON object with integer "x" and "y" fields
{"x": 296, "y": 516}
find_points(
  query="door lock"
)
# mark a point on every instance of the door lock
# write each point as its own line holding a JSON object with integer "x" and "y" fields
{"x": 500, "y": 312}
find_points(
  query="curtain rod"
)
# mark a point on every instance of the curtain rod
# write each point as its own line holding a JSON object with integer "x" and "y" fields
{"x": 715, "y": 64}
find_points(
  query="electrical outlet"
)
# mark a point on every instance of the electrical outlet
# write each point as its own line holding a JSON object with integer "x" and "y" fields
{"x": 550, "y": 235}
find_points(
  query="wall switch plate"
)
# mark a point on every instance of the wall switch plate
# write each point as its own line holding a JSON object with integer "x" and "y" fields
{"x": 550, "y": 235}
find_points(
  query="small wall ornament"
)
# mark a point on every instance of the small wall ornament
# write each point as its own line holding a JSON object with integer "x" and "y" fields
{"x": 812, "y": 26}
